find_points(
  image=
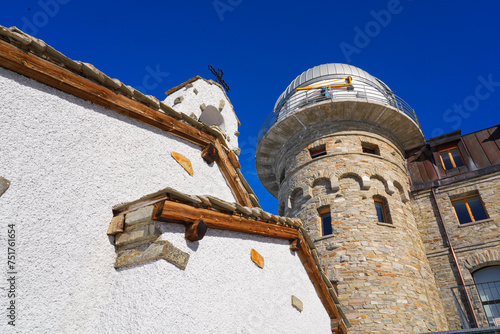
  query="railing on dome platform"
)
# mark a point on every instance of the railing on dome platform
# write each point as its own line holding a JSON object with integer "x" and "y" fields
{"x": 362, "y": 89}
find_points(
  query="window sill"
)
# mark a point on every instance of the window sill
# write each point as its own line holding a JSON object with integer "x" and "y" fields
{"x": 476, "y": 222}
{"x": 385, "y": 224}
{"x": 324, "y": 237}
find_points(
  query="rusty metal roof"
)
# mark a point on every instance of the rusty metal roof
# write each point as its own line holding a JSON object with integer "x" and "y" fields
{"x": 480, "y": 152}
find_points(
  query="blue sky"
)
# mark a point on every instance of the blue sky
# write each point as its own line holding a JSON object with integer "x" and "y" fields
{"x": 440, "y": 57}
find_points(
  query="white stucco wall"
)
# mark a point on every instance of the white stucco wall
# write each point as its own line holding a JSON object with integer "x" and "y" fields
{"x": 221, "y": 289}
{"x": 208, "y": 94}
{"x": 69, "y": 162}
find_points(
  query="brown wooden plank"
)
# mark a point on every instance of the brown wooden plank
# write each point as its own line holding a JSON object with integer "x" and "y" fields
{"x": 231, "y": 176}
{"x": 50, "y": 74}
{"x": 422, "y": 171}
{"x": 416, "y": 178}
{"x": 179, "y": 212}
{"x": 489, "y": 147}
{"x": 234, "y": 160}
{"x": 476, "y": 151}
{"x": 342, "y": 327}
{"x": 430, "y": 170}
{"x": 315, "y": 276}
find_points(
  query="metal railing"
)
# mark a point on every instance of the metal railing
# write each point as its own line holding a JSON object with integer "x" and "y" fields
{"x": 485, "y": 299}
{"x": 362, "y": 89}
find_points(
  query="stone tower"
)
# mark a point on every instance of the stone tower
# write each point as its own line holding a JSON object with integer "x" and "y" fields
{"x": 333, "y": 153}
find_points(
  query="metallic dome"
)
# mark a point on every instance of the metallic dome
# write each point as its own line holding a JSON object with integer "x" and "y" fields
{"x": 325, "y": 72}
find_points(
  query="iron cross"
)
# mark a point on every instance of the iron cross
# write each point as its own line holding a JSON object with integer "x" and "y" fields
{"x": 218, "y": 74}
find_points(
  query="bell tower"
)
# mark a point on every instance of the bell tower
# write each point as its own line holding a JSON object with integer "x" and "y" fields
{"x": 333, "y": 153}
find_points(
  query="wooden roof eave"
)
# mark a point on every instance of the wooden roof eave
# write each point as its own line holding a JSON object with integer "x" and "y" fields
{"x": 25, "y": 62}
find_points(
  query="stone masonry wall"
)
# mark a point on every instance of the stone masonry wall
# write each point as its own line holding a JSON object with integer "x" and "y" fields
{"x": 476, "y": 244}
{"x": 385, "y": 283}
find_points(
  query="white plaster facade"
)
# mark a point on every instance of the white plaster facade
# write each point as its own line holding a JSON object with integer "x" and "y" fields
{"x": 69, "y": 162}
{"x": 202, "y": 92}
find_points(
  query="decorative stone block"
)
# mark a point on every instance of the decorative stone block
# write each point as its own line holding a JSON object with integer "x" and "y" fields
{"x": 116, "y": 225}
{"x": 222, "y": 103}
{"x": 145, "y": 233}
{"x": 257, "y": 258}
{"x": 178, "y": 100}
{"x": 4, "y": 185}
{"x": 184, "y": 162}
{"x": 297, "y": 303}
{"x": 138, "y": 216}
{"x": 160, "y": 249}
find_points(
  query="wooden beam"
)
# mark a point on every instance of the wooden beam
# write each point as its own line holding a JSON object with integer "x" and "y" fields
{"x": 231, "y": 176}
{"x": 178, "y": 212}
{"x": 34, "y": 67}
{"x": 295, "y": 245}
{"x": 196, "y": 231}
{"x": 209, "y": 153}
{"x": 186, "y": 214}
{"x": 315, "y": 276}
{"x": 27, "y": 64}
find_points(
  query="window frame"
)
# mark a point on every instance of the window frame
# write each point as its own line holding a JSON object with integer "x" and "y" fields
{"x": 370, "y": 148}
{"x": 377, "y": 199}
{"x": 448, "y": 149}
{"x": 384, "y": 215}
{"x": 487, "y": 292}
{"x": 317, "y": 151}
{"x": 469, "y": 209}
{"x": 323, "y": 211}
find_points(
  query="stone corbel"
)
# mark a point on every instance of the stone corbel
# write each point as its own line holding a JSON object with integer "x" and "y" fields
{"x": 307, "y": 192}
{"x": 390, "y": 188}
{"x": 366, "y": 183}
{"x": 334, "y": 183}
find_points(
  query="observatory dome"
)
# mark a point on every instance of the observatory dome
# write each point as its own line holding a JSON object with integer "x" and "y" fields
{"x": 364, "y": 85}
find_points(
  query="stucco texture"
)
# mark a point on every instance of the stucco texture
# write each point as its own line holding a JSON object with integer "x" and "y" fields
{"x": 200, "y": 92}
{"x": 69, "y": 161}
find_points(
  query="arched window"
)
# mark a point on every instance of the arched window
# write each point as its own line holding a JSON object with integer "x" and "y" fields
{"x": 212, "y": 116}
{"x": 488, "y": 285}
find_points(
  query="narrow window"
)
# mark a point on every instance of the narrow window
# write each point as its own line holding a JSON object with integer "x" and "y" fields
{"x": 382, "y": 209}
{"x": 326, "y": 221}
{"x": 451, "y": 158}
{"x": 317, "y": 151}
{"x": 370, "y": 148}
{"x": 379, "y": 206}
{"x": 469, "y": 209}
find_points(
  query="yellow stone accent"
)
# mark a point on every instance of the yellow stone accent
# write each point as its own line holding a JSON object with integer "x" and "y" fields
{"x": 184, "y": 162}
{"x": 257, "y": 258}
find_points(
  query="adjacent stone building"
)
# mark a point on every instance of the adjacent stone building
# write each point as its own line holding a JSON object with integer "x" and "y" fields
{"x": 456, "y": 203}
{"x": 348, "y": 157}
